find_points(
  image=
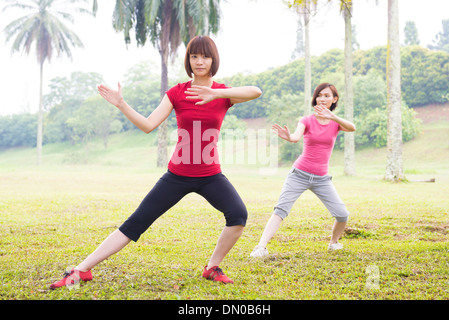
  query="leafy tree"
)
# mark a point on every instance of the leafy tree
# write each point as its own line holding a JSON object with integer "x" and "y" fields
{"x": 411, "y": 34}
{"x": 441, "y": 41}
{"x": 299, "y": 50}
{"x": 18, "y": 130}
{"x": 66, "y": 96}
{"x": 94, "y": 118}
{"x": 166, "y": 23}
{"x": 424, "y": 76}
{"x": 374, "y": 58}
{"x": 373, "y": 127}
{"x": 78, "y": 87}
{"x": 234, "y": 125}
{"x": 42, "y": 26}
{"x": 142, "y": 89}
{"x": 369, "y": 93}
{"x": 253, "y": 108}
{"x": 329, "y": 62}
{"x": 286, "y": 110}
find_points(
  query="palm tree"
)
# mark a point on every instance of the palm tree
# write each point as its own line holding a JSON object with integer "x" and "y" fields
{"x": 349, "y": 150}
{"x": 304, "y": 10}
{"x": 43, "y": 28}
{"x": 167, "y": 24}
{"x": 394, "y": 170}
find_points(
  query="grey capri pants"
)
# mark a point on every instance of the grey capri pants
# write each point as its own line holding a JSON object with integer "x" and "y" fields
{"x": 298, "y": 181}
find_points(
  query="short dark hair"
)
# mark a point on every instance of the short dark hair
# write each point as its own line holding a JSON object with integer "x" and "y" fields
{"x": 320, "y": 88}
{"x": 202, "y": 45}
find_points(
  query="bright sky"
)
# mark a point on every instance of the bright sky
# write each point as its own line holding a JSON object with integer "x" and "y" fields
{"x": 255, "y": 35}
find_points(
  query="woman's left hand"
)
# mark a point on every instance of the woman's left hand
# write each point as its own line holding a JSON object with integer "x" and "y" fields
{"x": 202, "y": 93}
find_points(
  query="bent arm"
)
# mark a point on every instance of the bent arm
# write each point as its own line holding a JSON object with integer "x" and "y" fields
{"x": 236, "y": 94}
{"x": 241, "y": 94}
{"x": 146, "y": 124}
{"x": 299, "y": 132}
{"x": 345, "y": 125}
{"x": 285, "y": 134}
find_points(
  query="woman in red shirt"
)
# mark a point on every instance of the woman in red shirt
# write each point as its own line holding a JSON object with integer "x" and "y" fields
{"x": 319, "y": 132}
{"x": 200, "y": 106}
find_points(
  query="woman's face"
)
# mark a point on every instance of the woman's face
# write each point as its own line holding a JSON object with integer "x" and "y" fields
{"x": 200, "y": 64}
{"x": 326, "y": 98}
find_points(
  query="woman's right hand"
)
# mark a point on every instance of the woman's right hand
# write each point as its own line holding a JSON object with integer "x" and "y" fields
{"x": 114, "y": 97}
{"x": 282, "y": 132}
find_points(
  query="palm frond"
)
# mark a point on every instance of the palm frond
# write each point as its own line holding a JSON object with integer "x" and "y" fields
{"x": 45, "y": 30}
{"x": 24, "y": 5}
{"x": 14, "y": 26}
{"x": 123, "y": 17}
{"x": 153, "y": 10}
{"x": 180, "y": 13}
{"x": 214, "y": 16}
{"x": 94, "y": 7}
{"x": 188, "y": 17}
{"x": 22, "y": 29}
{"x": 61, "y": 37}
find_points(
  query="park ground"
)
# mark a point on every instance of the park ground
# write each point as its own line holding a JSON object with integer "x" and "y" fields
{"x": 395, "y": 246}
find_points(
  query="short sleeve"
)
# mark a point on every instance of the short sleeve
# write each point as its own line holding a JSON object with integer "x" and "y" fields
{"x": 172, "y": 94}
{"x": 306, "y": 122}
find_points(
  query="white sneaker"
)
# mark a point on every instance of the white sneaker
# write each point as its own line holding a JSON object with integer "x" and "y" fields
{"x": 259, "y": 251}
{"x": 335, "y": 246}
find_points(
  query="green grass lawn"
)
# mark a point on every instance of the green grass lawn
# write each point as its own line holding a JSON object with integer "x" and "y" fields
{"x": 53, "y": 216}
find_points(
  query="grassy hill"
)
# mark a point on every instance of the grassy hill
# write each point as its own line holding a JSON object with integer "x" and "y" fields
{"x": 424, "y": 156}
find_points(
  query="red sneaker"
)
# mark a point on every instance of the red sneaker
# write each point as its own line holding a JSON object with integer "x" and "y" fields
{"x": 72, "y": 277}
{"x": 216, "y": 274}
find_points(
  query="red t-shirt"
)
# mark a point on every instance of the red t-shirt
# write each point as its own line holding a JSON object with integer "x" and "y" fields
{"x": 318, "y": 142}
{"x": 196, "y": 153}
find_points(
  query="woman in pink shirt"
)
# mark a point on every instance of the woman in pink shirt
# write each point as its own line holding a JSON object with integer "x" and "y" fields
{"x": 310, "y": 170}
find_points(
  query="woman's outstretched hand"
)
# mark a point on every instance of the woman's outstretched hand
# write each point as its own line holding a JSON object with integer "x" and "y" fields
{"x": 114, "y": 97}
{"x": 282, "y": 132}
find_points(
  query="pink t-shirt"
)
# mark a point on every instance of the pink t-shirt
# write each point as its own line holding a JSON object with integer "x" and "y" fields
{"x": 318, "y": 144}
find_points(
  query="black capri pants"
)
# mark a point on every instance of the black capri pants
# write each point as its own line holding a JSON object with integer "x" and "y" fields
{"x": 171, "y": 188}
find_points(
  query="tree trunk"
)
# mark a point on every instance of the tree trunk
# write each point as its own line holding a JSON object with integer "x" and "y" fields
{"x": 164, "y": 52}
{"x": 162, "y": 130}
{"x": 307, "y": 67}
{"x": 349, "y": 152}
{"x": 394, "y": 170}
{"x": 40, "y": 117}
